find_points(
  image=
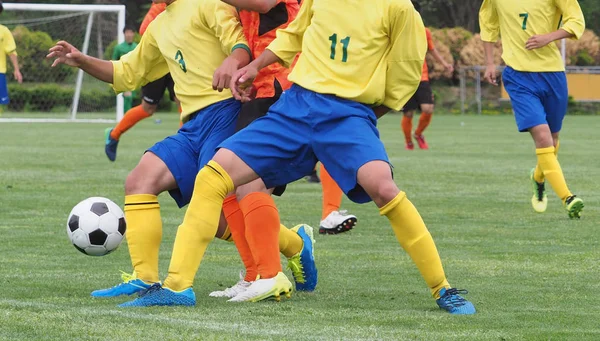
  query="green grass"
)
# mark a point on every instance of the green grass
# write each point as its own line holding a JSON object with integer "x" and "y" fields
{"x": 531, "y": 276}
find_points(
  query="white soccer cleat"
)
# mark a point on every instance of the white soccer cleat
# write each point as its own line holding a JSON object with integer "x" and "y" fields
{"x": 337, "y": 222}
{"x": 235, "y": 290}
{"x": 264, "y": 288}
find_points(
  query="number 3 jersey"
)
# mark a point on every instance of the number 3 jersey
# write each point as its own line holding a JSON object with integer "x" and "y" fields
{"x": 190, "y": 39}
{"x": 367, "y": 51}
{"x": 515, "y": 21}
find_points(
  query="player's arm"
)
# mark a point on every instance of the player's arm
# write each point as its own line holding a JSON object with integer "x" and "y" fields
{"x": 573, "y": 25}
{"x": 438, "y": 57}
{"x": 407, "y": 53}
{"x": 65, "y": 53}
{"x": 261, "y": 6}
{"x": 222, "y": 19}
{"x": 10, "y": 48}
{"x": 282, "y": 50}
{"x": 490, "y": 33}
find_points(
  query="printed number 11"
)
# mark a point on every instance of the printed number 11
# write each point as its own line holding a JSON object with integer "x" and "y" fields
{"x": 345, "y": 42}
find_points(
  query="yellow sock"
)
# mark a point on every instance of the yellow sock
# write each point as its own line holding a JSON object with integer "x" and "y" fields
{"x": 552, "y": 172}
{"x": 290, "y": 243}
{"x": 144, "y": 233}
{"x": 538, "y": 175}
{"x": 416, "y": 240}
{"x": 199, "y": 225}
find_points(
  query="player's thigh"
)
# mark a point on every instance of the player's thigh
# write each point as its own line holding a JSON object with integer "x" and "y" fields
{"x": 344, "y": 153}
{"x": 4, "y": 99}
{"x": 525, "y": 99}
{"x": 150, "y": 176}
{"x": 275, "y": 146}
{"x": 425, "y": 98}
{"x": 556, "y": 100}
{"x": 411, "y": 106}
{"x": 152, "y": 93}
{"x": 376, "y": 179}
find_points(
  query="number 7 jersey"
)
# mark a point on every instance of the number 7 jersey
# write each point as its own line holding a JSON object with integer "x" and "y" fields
{"x": 518, "y": 20}
{"x": 371, "y": 52}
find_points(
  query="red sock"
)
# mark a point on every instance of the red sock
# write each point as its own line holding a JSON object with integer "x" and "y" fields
{"x": 332, "y": 194}
{"x": 262, "y": 232}
{"x": 407, "y": 128}
{"x": 424, "y": 121}
{"x": 235, "y": 219}
{"x": 132, "y": 116}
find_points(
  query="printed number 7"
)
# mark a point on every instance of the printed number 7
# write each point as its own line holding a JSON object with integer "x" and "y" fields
{"x": 524, "y": 16}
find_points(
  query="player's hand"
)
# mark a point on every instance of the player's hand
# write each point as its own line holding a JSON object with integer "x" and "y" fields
{"x": 241, "y": 83}
{"x": 65, "y": 53}
{"x": 449, "y": 68}
{"x": 537, "y": 41}
{"x": 490, "y": 75}
{"x": 222, "y": 76}
{"x": 18, "y": 76}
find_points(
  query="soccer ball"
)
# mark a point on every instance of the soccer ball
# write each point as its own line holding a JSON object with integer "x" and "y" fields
{"x": 96, "y": 226}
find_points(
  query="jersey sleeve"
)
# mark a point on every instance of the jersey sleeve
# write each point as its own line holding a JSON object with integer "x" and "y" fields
{"x": 223, "y": 20}
{"x": 288, "y": 42}
{"x": 407, "y": 54}
{"x": 139, "y": 67}
{"x": 9, "y": 42}
{"x": 572, "y": 17}
{"x": 430, "y": 45}
{"x": 489, "y": 22}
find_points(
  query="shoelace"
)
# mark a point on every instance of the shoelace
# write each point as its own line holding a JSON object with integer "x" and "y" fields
{"x": 343, "y": 212}
{"x": 452, "y": 296}
{"x": 570, "y": 199}
{"x": 541, "y": 187}
{"x": 296, "y": 268}
{"x": 153, "y": 288}
{"x": 128, "y": 277}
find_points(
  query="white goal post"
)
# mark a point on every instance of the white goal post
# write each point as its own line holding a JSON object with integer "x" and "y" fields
{"x": 78, "y": 22}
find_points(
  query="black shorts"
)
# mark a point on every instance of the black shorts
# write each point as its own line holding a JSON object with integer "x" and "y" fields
{"x": 153, "y": 92}
{"x": 424, "y": 95}
{"x": 258, "y": 108}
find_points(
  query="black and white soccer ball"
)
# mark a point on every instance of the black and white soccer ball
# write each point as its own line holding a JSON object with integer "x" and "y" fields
{"x": 96, "y": 226}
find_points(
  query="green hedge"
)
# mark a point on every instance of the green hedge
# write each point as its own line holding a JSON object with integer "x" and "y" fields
{"x": 46, "y": 97}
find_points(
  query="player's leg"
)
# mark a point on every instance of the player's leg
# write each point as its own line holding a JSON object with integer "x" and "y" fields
{"x": 144, "y": 224}
{"x": 127, "y": 100}
{"x": 151, "y": 95}
{"x": 555, "y": 105}
{"x": 366, "y": 175}
{"x": 333, "y": 220}
{"x": 407, "y": 119}
{"x": 203, "y": 132}
{"x": 425, "y": 99}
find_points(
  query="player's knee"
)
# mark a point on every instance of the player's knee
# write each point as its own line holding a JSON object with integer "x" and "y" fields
{"x": 384, "y": 192}
{"x": 408, "y": 114}
{"x": 149, "y": 108}
{"x": 137, "y": 183}
{"x": 427, "y": 108}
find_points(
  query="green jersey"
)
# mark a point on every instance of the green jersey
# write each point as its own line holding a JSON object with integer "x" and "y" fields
{"x": 123, "y": 49}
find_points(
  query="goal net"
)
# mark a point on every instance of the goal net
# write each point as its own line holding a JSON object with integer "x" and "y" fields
{"x": 61, "y": 94}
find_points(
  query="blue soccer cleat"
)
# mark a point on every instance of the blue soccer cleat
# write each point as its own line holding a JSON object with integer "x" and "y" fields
{"x": 156, "y": 295}
{"x": 110, "y": 145}
{"x": 452, "y": 302}
{"x": 303, "y": 264}
{"x": 130, "y": 285}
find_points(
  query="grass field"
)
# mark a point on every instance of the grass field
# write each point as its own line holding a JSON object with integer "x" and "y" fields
{"x": 531, "y": 276}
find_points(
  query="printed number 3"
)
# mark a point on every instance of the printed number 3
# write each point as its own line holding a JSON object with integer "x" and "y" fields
{"x": 345, "y": 42}
{"x": 180, "y": 60}
{"x": 524, "y": 16}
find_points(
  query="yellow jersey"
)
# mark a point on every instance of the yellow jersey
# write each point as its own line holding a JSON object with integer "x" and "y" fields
{"x": 517, "y": 20}
{"x": 8, "y": 46}
{"x": 371, "y": 52}
{"x": 190, "y": 40}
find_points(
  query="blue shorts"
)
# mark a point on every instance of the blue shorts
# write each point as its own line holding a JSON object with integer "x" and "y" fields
{"x": 304, "y": 127}
{"x": 3, "y": 90}
{"x": 186, "y": 152}
{"x": 537, "y": 98}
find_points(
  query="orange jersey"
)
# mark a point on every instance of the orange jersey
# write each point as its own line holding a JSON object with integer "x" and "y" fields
{"x": 260, "y": 30}
{"x": 153, "y": 12}
{"x": 430, "y": 46}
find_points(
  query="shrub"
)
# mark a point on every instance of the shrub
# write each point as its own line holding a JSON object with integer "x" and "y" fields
{"x": 585, "y": 51}
{"x": 32, "y": 48}
{"x": 46, "y": 97}
{"x": 454, "y": 38}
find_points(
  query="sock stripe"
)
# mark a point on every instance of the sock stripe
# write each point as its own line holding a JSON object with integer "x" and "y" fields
{"x": 216, "y": 171}
{"x": 142, "y": 203}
